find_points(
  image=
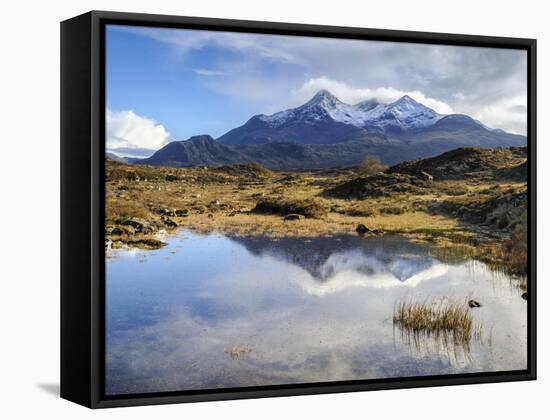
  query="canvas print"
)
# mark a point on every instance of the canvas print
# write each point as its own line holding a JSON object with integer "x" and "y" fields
{"x": 290, "y": 210}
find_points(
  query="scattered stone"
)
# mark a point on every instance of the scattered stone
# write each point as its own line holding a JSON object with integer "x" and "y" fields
{"x": 361, "y": 229}
{"x": 293, "y": 216}
{"x": 139, "y": 225}
{"x": 144, "y": 243}
{"x": 168, "y": 222}
{"x": 123, "y": 230}
{"x": 474, "y": 304}
{"x": 425, "y": 176}
{"x": 182, "y": 213}
{"x": 167, "y": 211}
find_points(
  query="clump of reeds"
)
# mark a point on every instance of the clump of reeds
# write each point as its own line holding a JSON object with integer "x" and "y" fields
{"x": 437, "y": 317}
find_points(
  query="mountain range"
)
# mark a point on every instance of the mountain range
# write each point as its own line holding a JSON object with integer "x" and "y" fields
{"x": 326, "y": 132}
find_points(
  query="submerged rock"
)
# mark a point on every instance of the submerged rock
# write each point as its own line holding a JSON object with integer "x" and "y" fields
{"x": 238, "y": 351}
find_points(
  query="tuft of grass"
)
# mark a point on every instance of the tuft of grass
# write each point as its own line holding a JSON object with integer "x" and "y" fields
{"x": 438, "y": 317}
{"x": 509, "y": 256}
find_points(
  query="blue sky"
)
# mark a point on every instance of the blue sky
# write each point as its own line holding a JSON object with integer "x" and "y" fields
{"x": 170, "y": 84}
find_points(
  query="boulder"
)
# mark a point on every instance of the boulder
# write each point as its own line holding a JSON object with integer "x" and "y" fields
{"x": 182, "y": 213}
{"x": 167, "y": 211}
{"x": 361, "y": 229}
{"x": 168, "y": 222}
{"x": 425, "y": 176}
{"x": 293, "y": 216}
{"x": 122, "y": 230}
{"x": 139, "y": 225}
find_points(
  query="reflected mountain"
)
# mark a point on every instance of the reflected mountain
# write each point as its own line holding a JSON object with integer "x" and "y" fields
{"x": 376, "y": 260}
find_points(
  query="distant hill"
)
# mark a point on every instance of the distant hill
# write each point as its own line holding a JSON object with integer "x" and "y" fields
{"x": 326, "y": 132}
{"x": 121, "y": 159}
{"x": 462, "y": 162}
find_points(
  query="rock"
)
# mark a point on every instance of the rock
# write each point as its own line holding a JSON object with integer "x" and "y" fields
{"x": 171, "y": 177}
{"x": 524, "y": 296}
{"x": 425, "y": 176}
{"x": 123, "y": 230}
{"x": 167, "y": 212}
{"x": 293, "y": 216}
{"x": 474, "y": 304}
{"x": 361, "y": 229}
{"x": 146, "y": 243}
{"x": 196, "y": 195}
{"x": 168, "y": 222}
{"x": 182, "y": 213}
{"x": 139, "y": 225}
{"x": 210, "y": 216}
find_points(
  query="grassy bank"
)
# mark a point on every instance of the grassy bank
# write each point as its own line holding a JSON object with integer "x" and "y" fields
{"x": 142, "y": 201}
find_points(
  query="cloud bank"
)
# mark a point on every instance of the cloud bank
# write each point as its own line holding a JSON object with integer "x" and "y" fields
{"x": 273, "y": 72}
{"x": 128, "y": 131}
{"x": 354, "y": 95}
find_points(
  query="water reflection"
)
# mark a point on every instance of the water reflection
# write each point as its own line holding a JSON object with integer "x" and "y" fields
{"x": 210, "y": 311}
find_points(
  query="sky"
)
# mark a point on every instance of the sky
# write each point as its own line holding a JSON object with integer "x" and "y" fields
{"x": 170, "y": 84}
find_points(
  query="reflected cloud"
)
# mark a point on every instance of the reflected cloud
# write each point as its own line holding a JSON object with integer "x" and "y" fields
{"x": 293, "y": 314}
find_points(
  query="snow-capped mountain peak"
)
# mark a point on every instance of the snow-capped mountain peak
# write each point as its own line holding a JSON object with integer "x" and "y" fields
{"x": 403, "y": 114}
{"x": 324, "y": 98}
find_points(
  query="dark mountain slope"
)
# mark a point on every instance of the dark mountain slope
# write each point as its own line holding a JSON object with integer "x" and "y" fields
{"x": 198, "y": 150}
{"x": 458, "y": 163}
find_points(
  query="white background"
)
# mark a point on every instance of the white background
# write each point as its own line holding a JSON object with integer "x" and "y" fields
{"x": 29, "y": 206}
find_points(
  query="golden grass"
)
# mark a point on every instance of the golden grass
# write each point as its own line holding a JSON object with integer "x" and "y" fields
{"x": 437, "y": 316}
{"x": 221, "y": 200}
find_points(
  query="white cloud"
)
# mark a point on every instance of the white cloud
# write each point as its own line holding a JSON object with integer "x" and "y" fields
{"x": 267, "y": 46}
{"x": 353, "y": 95}
{"x": 508, "y": 113}
{"x": 208, "y": 72}
{"x": 270, "y": 72}
{"x": 128, "y": 130}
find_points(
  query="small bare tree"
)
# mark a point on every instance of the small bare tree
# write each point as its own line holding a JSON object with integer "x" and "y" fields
{"x": 372, "y": 165}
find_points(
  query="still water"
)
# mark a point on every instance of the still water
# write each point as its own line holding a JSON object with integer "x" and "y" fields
{"x": 208, "y": 311}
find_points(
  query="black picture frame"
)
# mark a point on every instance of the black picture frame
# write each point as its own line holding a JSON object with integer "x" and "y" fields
{"x": 83, "y": 214}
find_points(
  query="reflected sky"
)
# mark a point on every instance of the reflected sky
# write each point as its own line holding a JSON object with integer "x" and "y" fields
{"x": 305, "y": 310}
